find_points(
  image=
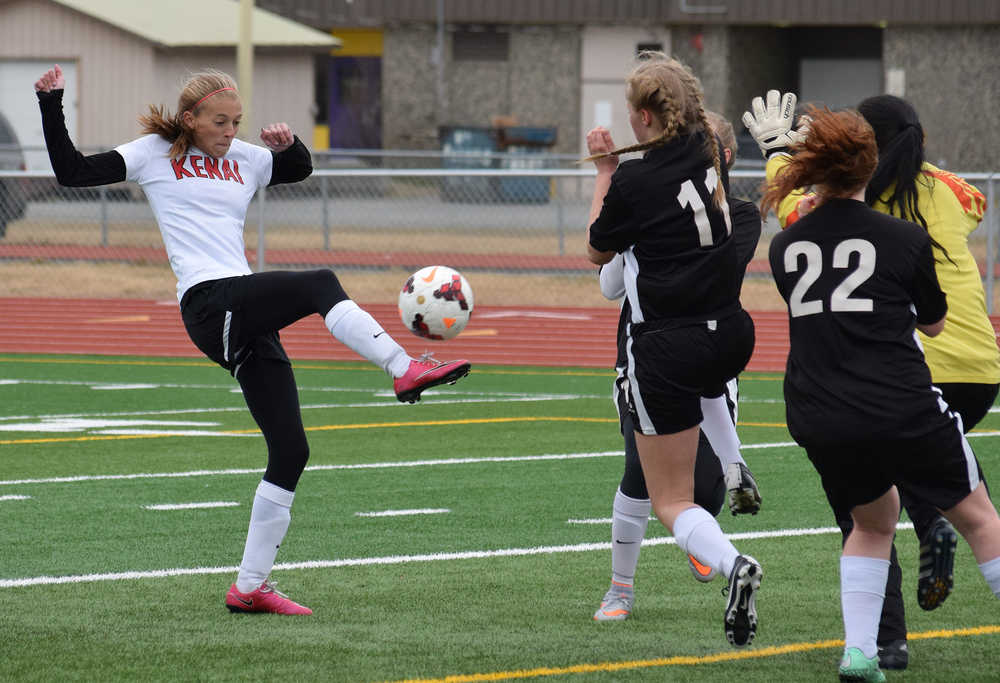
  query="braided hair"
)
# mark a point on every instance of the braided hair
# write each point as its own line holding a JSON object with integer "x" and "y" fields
{"x": 671, "y": 93}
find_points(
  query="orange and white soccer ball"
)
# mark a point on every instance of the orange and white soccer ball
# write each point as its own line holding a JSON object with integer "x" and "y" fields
{"x": 436, "y": 302}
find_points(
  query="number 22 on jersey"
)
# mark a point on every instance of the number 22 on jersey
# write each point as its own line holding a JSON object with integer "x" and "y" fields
{"x": 841, "y": 300}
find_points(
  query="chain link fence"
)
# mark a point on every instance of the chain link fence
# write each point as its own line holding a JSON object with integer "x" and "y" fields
{"x": 517, "y": 233}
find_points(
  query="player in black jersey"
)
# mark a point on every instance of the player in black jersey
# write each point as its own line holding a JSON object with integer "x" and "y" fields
{"x": 720, "y": 473}
{"x": 858, "y": 393}
{"x": 686, "y": 335}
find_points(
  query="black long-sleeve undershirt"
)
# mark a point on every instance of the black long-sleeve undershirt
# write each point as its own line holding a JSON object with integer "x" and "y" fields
{"x": 73, "y": 169}
{"x": 291, "y": 165}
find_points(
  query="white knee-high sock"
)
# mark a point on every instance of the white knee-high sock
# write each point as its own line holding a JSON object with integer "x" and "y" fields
{"x": 991, "y": 572}
{"x": 629, "y": 519}
{"x": 269, "y": 521}
{"x": 698, "y": 534}
{"x": 360, "y": 332}
{"x": 862, "y": 592}
{"x": 718, "y": 426}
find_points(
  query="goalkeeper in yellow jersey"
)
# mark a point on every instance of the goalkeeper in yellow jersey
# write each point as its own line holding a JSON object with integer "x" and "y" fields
{"x": 964, "y": 360}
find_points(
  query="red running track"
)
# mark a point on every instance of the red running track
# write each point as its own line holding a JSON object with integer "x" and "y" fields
{"x": 564, "y": 337}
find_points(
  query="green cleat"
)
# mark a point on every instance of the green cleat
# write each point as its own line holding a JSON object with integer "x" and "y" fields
{"x": 856, "y": 667}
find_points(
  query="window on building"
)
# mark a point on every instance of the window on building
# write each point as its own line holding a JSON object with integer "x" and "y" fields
{"x": 652, "y": 47}
{"x": 487, "y": 45}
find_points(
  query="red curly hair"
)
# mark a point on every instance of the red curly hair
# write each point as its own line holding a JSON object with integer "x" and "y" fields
{"x": 838, "y": 158}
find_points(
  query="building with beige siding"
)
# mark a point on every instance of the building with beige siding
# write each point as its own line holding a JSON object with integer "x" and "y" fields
{"x": 121, "y": 55}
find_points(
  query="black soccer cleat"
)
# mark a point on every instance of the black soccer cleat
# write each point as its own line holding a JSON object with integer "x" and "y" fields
{"x": 740, "y": 620}
{"x": 937, "y": 562}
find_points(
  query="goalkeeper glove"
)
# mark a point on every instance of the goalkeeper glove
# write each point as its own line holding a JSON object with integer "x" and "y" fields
{"x": 771, "y": 124}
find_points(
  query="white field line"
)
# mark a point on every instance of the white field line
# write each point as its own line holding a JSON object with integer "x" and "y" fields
{"x": 403, "y": 513}
{"x": 396, "y": 559}
{"x": 191, "y": 506}
{"x": 309, "y": 468}
{"x": 363, "y": 466}
{"x": 15, "y": 497}
{"x": 516, "y": 398}
{"x": 123, "y": 387}
{"x": 325, "y": 468}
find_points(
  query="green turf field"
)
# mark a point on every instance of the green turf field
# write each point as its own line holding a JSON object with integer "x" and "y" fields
{"x": 491, "y": 569}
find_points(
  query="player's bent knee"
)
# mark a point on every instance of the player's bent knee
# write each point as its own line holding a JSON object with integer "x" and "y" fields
{"x": 328, "y": 288}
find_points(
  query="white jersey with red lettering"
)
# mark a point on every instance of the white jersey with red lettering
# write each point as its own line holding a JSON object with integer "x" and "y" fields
{"x": 200, "y": 203}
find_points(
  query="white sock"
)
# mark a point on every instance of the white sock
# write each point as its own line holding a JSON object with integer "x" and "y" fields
{"x": 269, "y": 520}
{"x": 698, "y": 534}
{"x": 629, "y": 519}
{"x": 862, "y": 592}
{"x": 360, "y": 332}
{"x": 991, "y": 572}
{"x": 717, "y": 423}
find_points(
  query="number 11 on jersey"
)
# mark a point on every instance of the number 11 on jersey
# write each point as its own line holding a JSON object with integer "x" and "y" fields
{"x": 688, "y": 197}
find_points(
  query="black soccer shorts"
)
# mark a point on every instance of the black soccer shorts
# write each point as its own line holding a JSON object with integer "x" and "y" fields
{"x": 672, "y": 364}
{"x": 215, "y": 317}
{"x": 938, "y": 468}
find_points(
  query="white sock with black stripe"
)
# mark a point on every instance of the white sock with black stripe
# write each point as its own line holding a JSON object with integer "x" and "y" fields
{"x": 629, "y": 519}
{"x": 360, "y": 332}
{"x": 269, "y": 520}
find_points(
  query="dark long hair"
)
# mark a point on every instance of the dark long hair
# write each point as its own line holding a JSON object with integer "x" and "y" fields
{"x": 900, "y": 139}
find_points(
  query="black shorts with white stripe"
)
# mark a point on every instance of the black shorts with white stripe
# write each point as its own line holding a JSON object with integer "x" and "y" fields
{"x": 672, "y": 365}
{"x": 938, "y": 468}
{"x": 213, "y": 314}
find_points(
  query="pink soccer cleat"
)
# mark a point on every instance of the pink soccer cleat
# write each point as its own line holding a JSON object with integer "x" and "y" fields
{"x": 265, "y": 599}
{"x": 425, "y": 373}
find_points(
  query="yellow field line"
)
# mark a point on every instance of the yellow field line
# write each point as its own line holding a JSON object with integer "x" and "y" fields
{"x": 321, "y": 428}
{"x": 685, "y": 660}
{"x": 470, "y": 421}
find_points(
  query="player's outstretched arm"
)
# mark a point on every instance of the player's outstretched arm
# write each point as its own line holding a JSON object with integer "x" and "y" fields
{"x": 72, "y": 168}
{"x": 771, "y": 123}
{"x": 796, "y": 203}
{"x": 291, "y": 159}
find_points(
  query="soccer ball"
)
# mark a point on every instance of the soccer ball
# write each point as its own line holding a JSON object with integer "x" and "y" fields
{"x": 436, "y": 302}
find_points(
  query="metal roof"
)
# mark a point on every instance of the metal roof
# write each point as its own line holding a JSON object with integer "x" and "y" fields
{"x": 198, "y": 23}
{"x": 329, "y": 13}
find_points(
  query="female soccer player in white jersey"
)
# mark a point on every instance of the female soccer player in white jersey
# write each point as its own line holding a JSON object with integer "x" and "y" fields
{"x": 199, "y": 180}
{"x": 720, "y": 472}
{"x": 858, "y": 393}
{"x": 666, "y": 213}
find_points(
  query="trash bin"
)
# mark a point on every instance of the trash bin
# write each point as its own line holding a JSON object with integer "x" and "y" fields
{"x": 473, "y": 148}
{"x": 524, "y": 142}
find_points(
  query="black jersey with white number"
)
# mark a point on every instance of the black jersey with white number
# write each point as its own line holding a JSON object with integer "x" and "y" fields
{"x": 746, "y": 234}
{"x": 680, "y": 256}
{"x": 856, "y": 283}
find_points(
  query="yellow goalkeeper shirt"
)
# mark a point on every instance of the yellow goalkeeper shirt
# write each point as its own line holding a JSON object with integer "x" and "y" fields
{"x": 966, "y": 351}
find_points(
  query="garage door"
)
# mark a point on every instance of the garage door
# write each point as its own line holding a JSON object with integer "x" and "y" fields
{"x": 20, "y": 107}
